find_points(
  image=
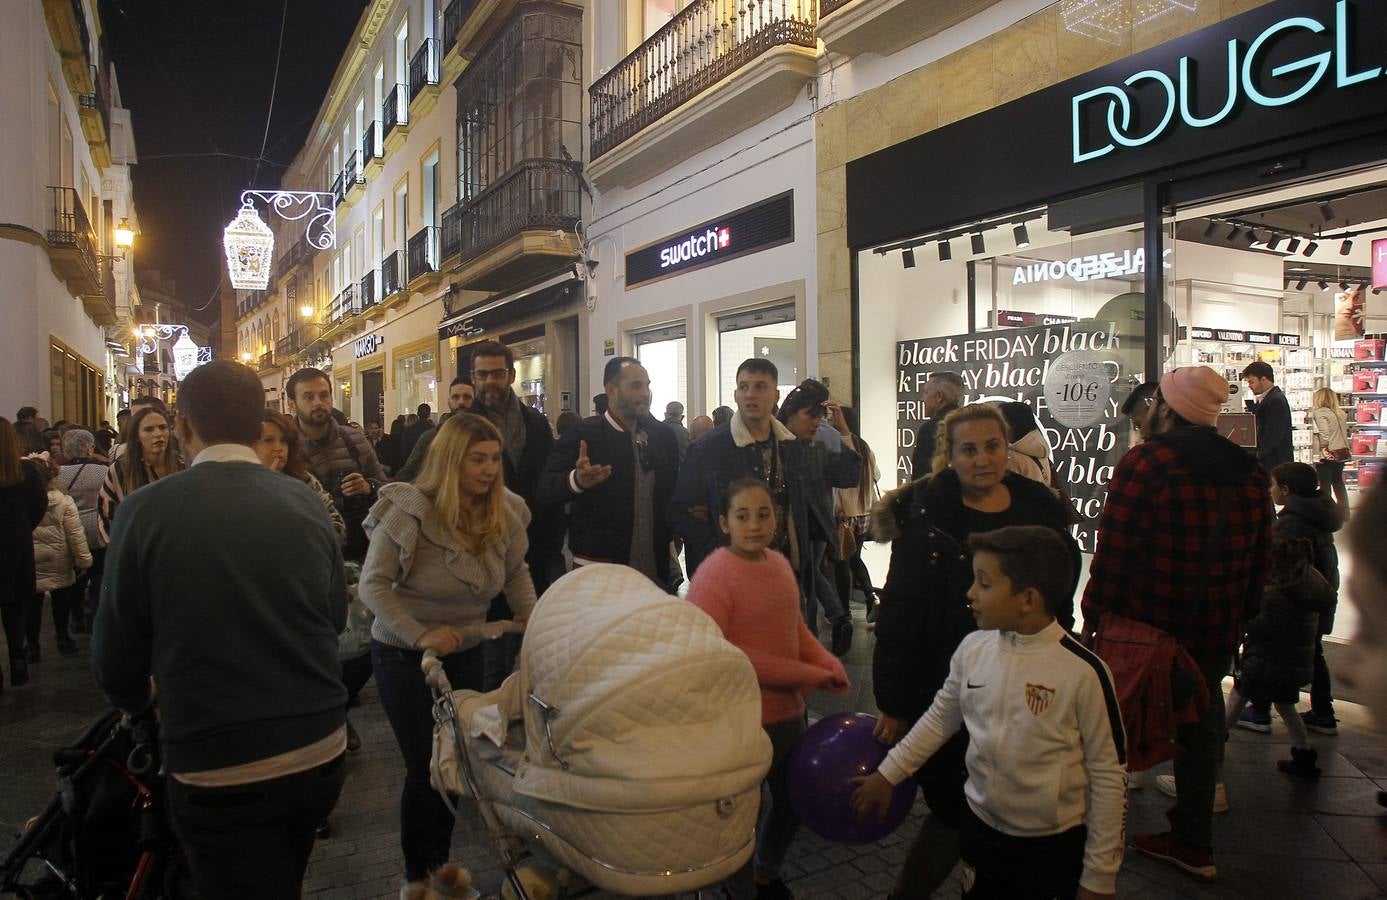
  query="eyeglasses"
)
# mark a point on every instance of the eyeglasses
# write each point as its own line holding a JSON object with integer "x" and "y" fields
{"x": 490, "y": 374}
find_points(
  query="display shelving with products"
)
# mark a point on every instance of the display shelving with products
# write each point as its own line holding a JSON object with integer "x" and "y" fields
{"x": 1366, "y": 377}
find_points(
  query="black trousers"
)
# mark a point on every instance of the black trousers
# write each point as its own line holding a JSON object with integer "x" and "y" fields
{"x": 1020, "y": 868}
{"x": 66, "y": 601}
{"x": 253, "y": 840}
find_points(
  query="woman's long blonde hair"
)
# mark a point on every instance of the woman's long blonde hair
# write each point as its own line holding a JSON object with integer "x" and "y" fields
{"x": 1326, "y": 398}
{"x": 944, "y": 434}
{"x": 484, "y": 521}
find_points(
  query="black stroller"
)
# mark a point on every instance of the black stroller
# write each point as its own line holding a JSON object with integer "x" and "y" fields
{"x": 104, "y": 835}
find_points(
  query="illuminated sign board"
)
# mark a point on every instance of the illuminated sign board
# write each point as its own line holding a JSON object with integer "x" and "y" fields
{"x": 366, "y": 346}
{"x": 751, "y": 229}
{"x": 1380, "y": 263}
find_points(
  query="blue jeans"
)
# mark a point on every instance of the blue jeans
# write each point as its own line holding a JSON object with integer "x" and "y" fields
{"x": 426, "y": 824}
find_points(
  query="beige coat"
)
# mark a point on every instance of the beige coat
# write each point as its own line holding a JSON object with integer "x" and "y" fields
{"x": 60, "y": 544}
{"x": 1331, "y": 431}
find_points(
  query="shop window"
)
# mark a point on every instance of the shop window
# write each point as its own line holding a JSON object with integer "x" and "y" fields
{"x": 416, "y": 381}
{"x": 768, "y": 333}
{"x": 664, "y": 354}
{"x": 530, "y": 346}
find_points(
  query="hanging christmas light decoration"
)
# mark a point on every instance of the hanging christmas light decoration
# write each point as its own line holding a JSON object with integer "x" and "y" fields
{"x": 250, "y": 248}
{"x": 184, "y": 356}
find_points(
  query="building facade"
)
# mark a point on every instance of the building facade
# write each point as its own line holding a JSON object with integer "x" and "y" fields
{"x": 67, "y": 187}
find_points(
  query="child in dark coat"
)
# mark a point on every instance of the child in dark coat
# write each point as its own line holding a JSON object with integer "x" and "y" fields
{"x": 1279, "y": 648}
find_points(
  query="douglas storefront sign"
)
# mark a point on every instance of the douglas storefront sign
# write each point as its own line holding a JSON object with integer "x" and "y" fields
{"x": 751, "y": 229}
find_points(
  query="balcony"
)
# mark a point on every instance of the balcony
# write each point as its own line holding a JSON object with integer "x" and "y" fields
{"x": 726, "y": 75}
{"x": 345, "y": 305}
{"x": 454, "y": 16}
{"x": 451, "y": 236}
{"x": 67, "y": 26}
{"x": 101, "y": 303}
{"x": 291, "y": 258}
{"x": 72, "y": 243}
{"x": 394, "y": 116}
{"x": 252, "y": 301}
{"x": 369, "y": 295}
{"x": 266, "y": 362}
{"x": 885, "y": 26}
{"x": 372, "y": 153}
{"x": 338, "y": 190}
{"x": 94, "y": 110}
{"x": 391, "y": 270}
{"x": 423, "y": 79}
{"x": 507, "y": 234}
{"x": 423, "y": 258}
{"x": 353, "y": 178}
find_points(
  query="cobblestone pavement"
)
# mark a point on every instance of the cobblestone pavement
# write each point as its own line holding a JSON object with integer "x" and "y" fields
{"x": 1281, "y": 839}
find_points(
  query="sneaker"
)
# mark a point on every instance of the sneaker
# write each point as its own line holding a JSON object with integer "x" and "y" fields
{"x": 1168, "y": 848}
{"x": 1326, "y": 724}
{"x": 1301, "y": 764}
{"x": 842, "y": 637}
{"x": 353, "y": 739}
{"x": 1166, "y": 785}
{"x": 1255, "y": 721}
{"x": 774, "y": 890}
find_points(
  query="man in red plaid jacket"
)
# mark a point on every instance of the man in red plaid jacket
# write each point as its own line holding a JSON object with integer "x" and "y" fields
{"x": 1183, "y": 545}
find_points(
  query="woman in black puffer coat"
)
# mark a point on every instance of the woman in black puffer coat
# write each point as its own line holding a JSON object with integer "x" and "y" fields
{"x": 23, "y": 501}
{"x": 924, "y": 611}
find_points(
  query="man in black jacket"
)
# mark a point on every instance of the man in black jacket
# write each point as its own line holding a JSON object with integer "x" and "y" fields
{"x": 1273, "y": 414}
{"x": 941, "y": 395}
{"x": 224, "y": 584}
{"x": 618, "y": 472}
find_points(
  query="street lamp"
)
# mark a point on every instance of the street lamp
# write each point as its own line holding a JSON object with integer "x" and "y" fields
{"x": 306, "y": 311}
{"x": 246, "y": 357}
{"x": 125, "y": 235}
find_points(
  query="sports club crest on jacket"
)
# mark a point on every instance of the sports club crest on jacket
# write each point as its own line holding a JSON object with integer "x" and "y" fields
{"x": 1038, "y": 698}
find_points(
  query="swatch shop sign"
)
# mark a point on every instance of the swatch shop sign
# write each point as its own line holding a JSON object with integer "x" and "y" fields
{"x": 751, "y": 229}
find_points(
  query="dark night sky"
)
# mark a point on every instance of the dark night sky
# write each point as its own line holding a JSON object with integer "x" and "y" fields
{"x": 196, "y": 77}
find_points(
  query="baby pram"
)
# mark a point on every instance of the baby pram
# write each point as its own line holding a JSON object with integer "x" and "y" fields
{"x": 627, "y": 749}
{"x": 103, "y": 835}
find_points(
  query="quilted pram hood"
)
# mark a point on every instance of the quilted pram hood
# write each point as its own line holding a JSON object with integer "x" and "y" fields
{"x": 650, "y": 708}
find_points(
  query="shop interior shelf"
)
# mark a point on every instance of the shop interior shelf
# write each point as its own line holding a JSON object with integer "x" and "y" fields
{"x": 1369, "y": 363}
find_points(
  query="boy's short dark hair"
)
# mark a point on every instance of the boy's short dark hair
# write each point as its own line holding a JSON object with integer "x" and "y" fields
{"x": 1298, "y": 478}
{"x": 222, "y": 401}
{"x": 759, "y": 365}
{"x": 306, "y": 374}
{"x": 1259, "y": 369}
{"x": 460, "y": 379}
{"x": 1032, "y": 556}
{"x": 493, "y": 348}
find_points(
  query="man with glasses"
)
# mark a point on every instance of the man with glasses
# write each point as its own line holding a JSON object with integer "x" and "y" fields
{"x": 1184, "y": 543}
{"x": 618, "y": 471}
{"x": 1137, "y": 406}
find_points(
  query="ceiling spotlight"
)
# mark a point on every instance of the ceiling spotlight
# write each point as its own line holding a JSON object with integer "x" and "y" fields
{"x": 1272, "y": 241}
{"x": 1023, "y": 237}
{"x": 1212, "y": 227}
{"x": 1311, "y": 247}
{"x": 1346, "y": 247}
{"x": 1293, "y": 246}
{"x": 1233, "y": 234}
{"x": 1300, "y": 286}
{"x": 908, "y": 257}
{"x": 979, "y": 244}
{"x": 1324, "y": 285}
{"x": 1327, "y": 211}
{"x": 1343, "y": 285}
{"x": 946, "y": 251}
{"x": 1252, "y": 236}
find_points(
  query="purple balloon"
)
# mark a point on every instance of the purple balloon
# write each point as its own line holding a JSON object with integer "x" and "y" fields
{"x": 832, "y": 752}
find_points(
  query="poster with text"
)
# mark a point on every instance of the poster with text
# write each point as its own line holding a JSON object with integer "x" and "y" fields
{"x": 1074, "y": 376}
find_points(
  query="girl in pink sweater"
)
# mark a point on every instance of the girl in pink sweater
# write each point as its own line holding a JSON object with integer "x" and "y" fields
{"x": 753, "y": 596}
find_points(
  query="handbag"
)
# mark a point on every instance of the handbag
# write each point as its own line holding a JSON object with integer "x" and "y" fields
{"x": 1340, "y": 455}
{"x": 847, "y": 539}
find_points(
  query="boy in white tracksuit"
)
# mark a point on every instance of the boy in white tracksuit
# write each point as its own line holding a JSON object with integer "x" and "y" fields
{"x": 1047, "y": 753}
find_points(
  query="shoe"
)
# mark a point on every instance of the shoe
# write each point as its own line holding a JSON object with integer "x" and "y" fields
{"x": 323, "y": 831}
{"x": 1166, "y": 785}
{"x": 19, "y": 671}
{"x": 842, "y": 636}
{"x": 1168, "y": 848}
{"x": 66, "y": 645}
{"x": 32, "y": 653}
{"x": 1301, "y": 764}
{"x": 353, "y": 739}
{"x": 1326, "y": 724}
{"x": 1255, "y": 721}
{"x": 774, "y": 890}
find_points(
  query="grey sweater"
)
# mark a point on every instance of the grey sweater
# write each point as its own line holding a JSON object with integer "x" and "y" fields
{"x": 416, "y": 577}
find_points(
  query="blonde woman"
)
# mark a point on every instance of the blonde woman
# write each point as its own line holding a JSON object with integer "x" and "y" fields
{"x": 442, "y": 547}
{"x": 1331, "y": 431}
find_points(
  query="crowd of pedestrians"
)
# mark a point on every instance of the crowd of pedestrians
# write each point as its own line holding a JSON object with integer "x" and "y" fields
{"x": 468, "y": 519}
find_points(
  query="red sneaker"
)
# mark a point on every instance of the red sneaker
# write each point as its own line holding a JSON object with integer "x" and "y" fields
{"x": 1167, "y": 847}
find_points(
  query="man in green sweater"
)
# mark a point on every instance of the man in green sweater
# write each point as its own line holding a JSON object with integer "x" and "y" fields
{"x": 225, "y": 592}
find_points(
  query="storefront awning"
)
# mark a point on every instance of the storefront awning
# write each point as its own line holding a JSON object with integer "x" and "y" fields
{"x": 496, "y": 311}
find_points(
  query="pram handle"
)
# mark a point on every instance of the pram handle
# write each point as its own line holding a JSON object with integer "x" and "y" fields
{"x": 432, "y": 665}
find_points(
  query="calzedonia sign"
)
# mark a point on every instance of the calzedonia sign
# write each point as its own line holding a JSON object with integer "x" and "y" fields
{"x": 750, "y": 229}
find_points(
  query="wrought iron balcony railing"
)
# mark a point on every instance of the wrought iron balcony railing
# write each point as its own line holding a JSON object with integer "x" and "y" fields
{"x": 391, "y": 268}
{"x": 370, "y": 143}
{"x": 369, "y": 295}
{"x": 395, "y": 110}
{"x": 351, "y": 172}
{"x": 703, "y": 44}
{"x": 538, "y": 193}
{"x": 423, "y": 252}
{"x": 453, "y": 17}
{"x": 344, "y": 305}
{"x": 828, "y": 6}
{"x": 68, "y": 225}
{"x": 339, "y": 189}
{"x": 451, "y": 237}
{"x": 423, "y": 67}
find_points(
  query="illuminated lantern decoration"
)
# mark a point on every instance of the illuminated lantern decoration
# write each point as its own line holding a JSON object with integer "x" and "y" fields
{"x": 249, "y": 247}
{"x": 184, "y": 356}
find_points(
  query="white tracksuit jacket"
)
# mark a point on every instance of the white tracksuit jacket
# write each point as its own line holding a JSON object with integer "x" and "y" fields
{"x": 1046, "y": 750}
